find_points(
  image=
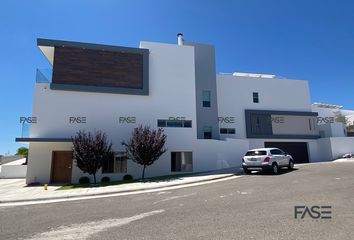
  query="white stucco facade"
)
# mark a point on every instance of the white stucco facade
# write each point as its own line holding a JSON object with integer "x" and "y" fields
{"x": 174, "y": 93}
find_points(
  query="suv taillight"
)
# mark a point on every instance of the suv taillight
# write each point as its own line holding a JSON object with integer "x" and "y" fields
{"x": 267, "y": 159}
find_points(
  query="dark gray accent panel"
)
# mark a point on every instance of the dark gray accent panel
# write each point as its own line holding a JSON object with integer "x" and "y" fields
{"x": 259, "y": 124}
{"x": 43, "y": 140}
{"x": 205, "y": 80}
{"x": 271, "y": 112}
{"x": 285, "y": 136}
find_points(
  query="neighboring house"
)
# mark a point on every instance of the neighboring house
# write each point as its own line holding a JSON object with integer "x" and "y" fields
{"x": 210, "y": 120}
{"x": 333, "y": 120}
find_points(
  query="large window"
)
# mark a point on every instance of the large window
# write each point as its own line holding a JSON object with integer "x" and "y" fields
{"x": 227, "y": 131}
{"x": 206, "y": 99}
{"x": 116, "y": 164}
{"x": 255, "y": 97}
{"x": 174, "y": 123}
{"x": 181, "y": 161}
{"x": 207, "y": 132}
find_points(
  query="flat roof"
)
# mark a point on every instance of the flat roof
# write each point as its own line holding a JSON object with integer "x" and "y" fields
{"x": 326, "y": 105}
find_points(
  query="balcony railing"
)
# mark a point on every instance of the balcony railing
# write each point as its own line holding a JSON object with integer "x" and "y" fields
{"x": 44, "y": 75}
{"x": 26, "y": 130}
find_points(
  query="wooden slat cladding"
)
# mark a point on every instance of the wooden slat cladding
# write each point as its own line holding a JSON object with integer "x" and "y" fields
{"x": 97, "y": 68}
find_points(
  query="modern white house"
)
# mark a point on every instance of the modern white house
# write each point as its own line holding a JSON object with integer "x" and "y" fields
{"x": 210, "y": 119}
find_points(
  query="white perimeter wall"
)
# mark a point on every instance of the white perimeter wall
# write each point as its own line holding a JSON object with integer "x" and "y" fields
{"x": 235, "y": 95}
{"x": 341, "y": 145}
{"x": 13, "y": 171}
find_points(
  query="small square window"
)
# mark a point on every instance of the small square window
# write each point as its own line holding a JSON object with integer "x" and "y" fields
{"x": 231, "y": 131}
{"x": 206, "y": 99}
{"x": 207, "y": 133}
{"x": 223, "y": 130}
{"x": 187, "y": 123}
{"x": 255, "y": 97}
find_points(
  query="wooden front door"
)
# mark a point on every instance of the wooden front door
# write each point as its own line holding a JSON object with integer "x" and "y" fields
{"x": 62, "y": 162}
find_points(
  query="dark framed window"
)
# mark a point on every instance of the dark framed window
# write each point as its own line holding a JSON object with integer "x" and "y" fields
{"x": 116, "y": 164}
{"x": 227, "y": 131}
{"x": 187, "y": 123}
{"x": 161, "y": 123}
{"x": 255, "y": 97}
{"x": 174, "y": 123}
{"x": 206, "y": 99}
{"x": 223, "y": 130}
{"x": 181, "y": 161}
{"x": 231, "y": 131}
{"x": 207, "y": 132}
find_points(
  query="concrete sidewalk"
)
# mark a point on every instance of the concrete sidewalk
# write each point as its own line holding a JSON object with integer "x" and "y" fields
{"x": 15, "y": 190}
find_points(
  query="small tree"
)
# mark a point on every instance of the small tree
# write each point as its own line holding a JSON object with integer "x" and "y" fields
{"x": 90, "y": 151}
{"x": 23, "y": 151}
{"x": 145, "y": 146}
{"x": 339, "y": 117}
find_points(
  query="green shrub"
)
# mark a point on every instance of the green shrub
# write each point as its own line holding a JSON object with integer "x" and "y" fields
{"x": 84, "y": 180}
{"x": 128, "y": 177}
{"x": 105, "y": 179}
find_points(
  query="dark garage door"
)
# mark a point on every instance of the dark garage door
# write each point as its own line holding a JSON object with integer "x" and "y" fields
{"x": 298, "y": 150}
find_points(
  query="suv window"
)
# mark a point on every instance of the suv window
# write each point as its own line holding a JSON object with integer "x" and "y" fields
{"x": 276, "y": 152}
{"x": 256, "y": 153}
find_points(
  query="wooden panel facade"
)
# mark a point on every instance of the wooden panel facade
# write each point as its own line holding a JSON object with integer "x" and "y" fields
{"x": 98, "y": 68}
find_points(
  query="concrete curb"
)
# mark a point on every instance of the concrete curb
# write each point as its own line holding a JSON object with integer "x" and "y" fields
{"x": 113, "y": 192}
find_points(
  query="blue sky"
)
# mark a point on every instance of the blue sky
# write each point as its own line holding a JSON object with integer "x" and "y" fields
{"x": 301, "y": 39}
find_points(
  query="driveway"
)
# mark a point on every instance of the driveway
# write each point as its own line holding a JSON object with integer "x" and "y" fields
{"x": 255, "y": 206}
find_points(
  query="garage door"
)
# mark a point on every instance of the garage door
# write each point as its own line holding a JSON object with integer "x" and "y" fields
{"x": 298, "y": 150}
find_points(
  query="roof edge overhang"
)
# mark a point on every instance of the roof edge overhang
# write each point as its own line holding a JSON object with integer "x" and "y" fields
{"x": 28, "y": 140}
{"x": 47, "y": 47}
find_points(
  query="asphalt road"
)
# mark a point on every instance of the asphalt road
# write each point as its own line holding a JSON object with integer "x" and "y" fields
{"x": 256, "y": 206}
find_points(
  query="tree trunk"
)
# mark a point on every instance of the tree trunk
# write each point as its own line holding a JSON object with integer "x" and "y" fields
{"x": 143, "y": 172}
{"x": 94, "y": 178}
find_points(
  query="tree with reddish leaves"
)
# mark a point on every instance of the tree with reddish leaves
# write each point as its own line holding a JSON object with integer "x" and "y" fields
{"x": 90, "y": 150}
{"x": 146, "y": 146}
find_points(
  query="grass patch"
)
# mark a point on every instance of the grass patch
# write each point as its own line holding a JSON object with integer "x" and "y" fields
{"x": 153, "y": 179}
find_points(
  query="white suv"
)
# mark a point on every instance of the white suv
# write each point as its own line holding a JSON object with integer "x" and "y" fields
{"x": 266, "y": 159}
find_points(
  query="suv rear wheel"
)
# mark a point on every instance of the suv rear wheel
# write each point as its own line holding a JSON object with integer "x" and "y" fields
{"x": 291, "y": 164}
{"x": 275, "y": 168}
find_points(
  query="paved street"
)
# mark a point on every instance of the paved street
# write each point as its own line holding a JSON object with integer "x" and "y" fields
{"x": 251, "y": 207}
